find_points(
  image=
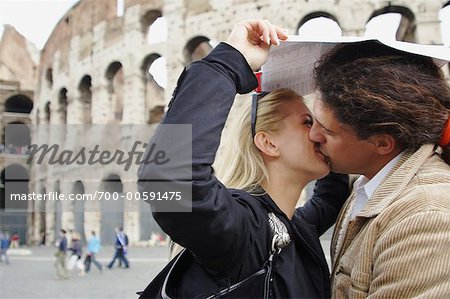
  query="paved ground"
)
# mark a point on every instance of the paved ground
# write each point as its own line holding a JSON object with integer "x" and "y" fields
{"x": 33, "y": 276}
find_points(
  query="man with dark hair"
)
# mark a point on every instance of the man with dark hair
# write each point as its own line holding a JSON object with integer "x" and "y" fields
{"x": 384, "y": 114}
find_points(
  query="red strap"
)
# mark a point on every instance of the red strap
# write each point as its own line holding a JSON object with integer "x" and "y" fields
{"x": 445, "y": 137}
{"x": 258, "y": 77}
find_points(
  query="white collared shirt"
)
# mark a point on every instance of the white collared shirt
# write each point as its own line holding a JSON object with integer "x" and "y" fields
{"x": 364, "y": 188}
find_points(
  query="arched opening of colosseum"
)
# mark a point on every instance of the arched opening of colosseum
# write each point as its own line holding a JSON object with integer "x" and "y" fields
{"x": 17, "y": 138}
{"x": 154, "y": 27}
{"x": 47, "y": 112}
{"x": 319, "y": 24}
{"x": 2, "y": 191}
{"x": 85, "y": 98}
{"x": 62, "y": 103}
{"x": 112, "y": 211}
{"x": 196, "y": 48}
{"x": 57, "y": 212}
{"x": 49, "y": 77}
{"x": 154, "y": 74}
{"x": 392, "y": 22}
{"x": 19, "y": 104}
{"x": 78, "y": 209}
{"x": 14, "y": 214}
{"x": 115, "y": 78}
{"x": 39, "y": 215}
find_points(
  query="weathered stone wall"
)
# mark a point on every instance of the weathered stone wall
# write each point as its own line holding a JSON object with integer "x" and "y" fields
{"x": 18, "y": 70}
{"x": 17, "y": 59}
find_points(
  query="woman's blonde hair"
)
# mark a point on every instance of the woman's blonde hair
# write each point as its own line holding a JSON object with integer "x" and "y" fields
{"x": 242, "y": 165}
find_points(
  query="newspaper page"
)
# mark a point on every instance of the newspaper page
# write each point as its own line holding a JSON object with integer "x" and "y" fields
{"x": 291, "y": 64}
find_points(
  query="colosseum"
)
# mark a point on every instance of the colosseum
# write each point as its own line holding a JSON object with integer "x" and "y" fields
{"x": 98, "y": 68}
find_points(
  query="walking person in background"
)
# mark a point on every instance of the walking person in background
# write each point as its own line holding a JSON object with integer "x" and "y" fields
{"x": 93, "y": 248}
{"x": 43, "y": 238}
{"x": 15, "y": 240}
{"x": 60, "y": 263}
{"x": 121, "y": 243}
{"x": 75, "y": 258}
{"x": 4, "y": 245}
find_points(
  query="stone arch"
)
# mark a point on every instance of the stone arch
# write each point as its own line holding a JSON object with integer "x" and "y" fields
{"x": 58, "y": 210}
{"x": 14, "y": 180}
{"x": 154, "y": 92}
{"x": 403, "y": 26}
{"x": 111, "y": 210}
{"x": 2, "y": 191}
{"x": 196, "y": 48}
{"x": 14, "y": 214}
{"x": 316, "y": 14}
{"x": 85, "y": 92}
{"x": 41, "y": 224}
{"x": 115, "y": 78}
{"x": 78, "y": 209}
{"x": 19, "y": 104}
{"x": 47, "y": 112}
{"x": 329, "y": 25}
{"x": 17, "y": 138}
{"x": 154, "y": 26}
{"x": 62, "y": 105}
{"x": 49, "y": 77}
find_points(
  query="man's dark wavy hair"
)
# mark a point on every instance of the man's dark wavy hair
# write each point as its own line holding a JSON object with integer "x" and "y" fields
{"x": 375, "y": 89}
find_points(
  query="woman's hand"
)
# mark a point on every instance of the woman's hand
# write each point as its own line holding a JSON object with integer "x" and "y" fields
{"x": 253, "y": 39}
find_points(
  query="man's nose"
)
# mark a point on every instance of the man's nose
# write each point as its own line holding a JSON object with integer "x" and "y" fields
{"x": 315, "y": 134}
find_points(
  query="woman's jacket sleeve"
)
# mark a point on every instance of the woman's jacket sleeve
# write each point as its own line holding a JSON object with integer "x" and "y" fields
{"x": 322, "y": 209}
{"x": 203, "y": 97}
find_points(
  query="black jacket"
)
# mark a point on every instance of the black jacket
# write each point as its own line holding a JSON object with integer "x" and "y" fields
{"x": 227, "y": 230}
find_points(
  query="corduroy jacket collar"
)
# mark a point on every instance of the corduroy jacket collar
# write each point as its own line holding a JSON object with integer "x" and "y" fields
{"x": 397, "y": 180}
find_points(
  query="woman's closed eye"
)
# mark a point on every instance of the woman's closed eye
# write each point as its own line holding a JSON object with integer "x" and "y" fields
{"x": 309, "y": 121}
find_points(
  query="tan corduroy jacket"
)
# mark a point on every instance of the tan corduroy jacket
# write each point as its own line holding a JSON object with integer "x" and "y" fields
{"x": 398, "y": 246}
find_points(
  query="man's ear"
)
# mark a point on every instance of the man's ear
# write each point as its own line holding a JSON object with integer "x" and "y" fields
{"x": 265, "y": 143}
{"x": 384, "y": 143}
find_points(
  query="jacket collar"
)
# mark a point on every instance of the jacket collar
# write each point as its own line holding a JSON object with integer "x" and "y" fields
{"x": 270, "y": 205}
{"x": 298, "y": 230}
{"x": 397, "y": 180}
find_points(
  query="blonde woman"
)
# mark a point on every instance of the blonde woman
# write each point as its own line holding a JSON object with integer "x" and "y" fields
{"x": 228, "y": 231}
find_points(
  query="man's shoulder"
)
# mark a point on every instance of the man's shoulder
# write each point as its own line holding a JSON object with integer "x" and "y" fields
{"x": 430, "y": 187}
{"x": 424, "y": 198}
